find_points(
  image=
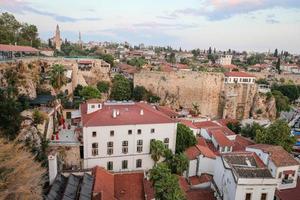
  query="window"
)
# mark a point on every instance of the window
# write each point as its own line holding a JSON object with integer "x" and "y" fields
{"x": 94, "y": 134}
{"x": 139, "y": 147}
{"x": 92, "y": 106}
{"x": 152, "y": 130}
{"x": 69, "y": 115}
{"x": 125, "y": 147}
{"x": 99, "y": 106}
{"x": 110, "y": 148}
{"x": 110, "y": 165}
{"x": 166, "y": 142}
{"x": 280, "y": 174}
{"x": 129, "y": 132}
{"x": 94, "y": 149}
{"x": 139, "y": 131}
{"x": 112, "y": 133}
{"x": 124, "y": 164}
{"x": 263, "y": 196}
{"x": 248, "y": 196}
{"x": 138, "y": 163}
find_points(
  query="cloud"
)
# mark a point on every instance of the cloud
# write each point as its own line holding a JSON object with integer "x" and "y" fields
{"x": 215, "y": 10}
{"x": 16, "y": 6}
{"x": 159, "y": 25}
{"x": 271, "y": 19}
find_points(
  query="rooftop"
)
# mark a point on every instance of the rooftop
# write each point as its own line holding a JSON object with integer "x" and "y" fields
{"x": 16, "y": 48}
{"x": 238, "y": 74}
{"x": 277, "y": 154}
{"x": 247, "y": 165}
{"x": 128, "y": 114}
{"x": 289, "y": 194}
{"x": 221, "y": 139}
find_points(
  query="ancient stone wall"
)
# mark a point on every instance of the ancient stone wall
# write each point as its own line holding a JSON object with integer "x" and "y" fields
{"x": 185, "y": 88}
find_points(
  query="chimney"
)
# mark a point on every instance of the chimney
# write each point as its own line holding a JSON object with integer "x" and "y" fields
{"x": 114, "y": 113}
{"x": 142, "y": 112}
{"x": 52, "y": 165}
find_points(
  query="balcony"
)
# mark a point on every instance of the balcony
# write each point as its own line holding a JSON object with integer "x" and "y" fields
{"x": 287, "y": 181}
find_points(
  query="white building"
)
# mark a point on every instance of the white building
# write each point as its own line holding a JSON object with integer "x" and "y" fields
{"x": 291, "y": 68}
{"x": 239, "y": 77}
{"x": 224, "y": 60}
{"x": 117, "y": 135}
{"x": 281, "y": 164}
{"x": 243, "y": 176}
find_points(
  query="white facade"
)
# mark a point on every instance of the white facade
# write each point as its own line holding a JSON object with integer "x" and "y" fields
{"x": 225, "y": 60}
{"x": 284, "y": 181}
{"x": 201, "y": 165}
{"x": 236, "y": 79}
{"x": 232, "y": 187}
{"x": 103, "y": 134}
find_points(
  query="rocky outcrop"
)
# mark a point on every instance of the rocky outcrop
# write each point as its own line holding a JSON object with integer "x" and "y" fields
{"x": 264, "y": 107}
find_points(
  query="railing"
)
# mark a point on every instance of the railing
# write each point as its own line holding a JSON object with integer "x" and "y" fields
{"x": 63, "y": 143}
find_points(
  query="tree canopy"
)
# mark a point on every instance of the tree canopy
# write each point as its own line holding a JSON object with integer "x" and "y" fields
{"x": 157, "y": 149}
{"x": 103, "y": 86}
{"x": 90, "y": 92}
{"x": 184, "y": 138}
{"x": 282, "y": 102}
{"x": 58, "y": 77}
{"x": 12, "y": 31}
{"x": 121, "y": 88}
{"x": 278, "y": 133}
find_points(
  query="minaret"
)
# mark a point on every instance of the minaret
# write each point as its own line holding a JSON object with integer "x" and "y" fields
{"x": 80, "y": 41}
{"x": 57, "y": 39}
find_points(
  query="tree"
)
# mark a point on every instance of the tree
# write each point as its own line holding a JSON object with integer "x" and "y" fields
{"x": 137, "y": 62}
{"x": 121, "y": 88}
{"x": 289, "y": 90}
{"x": 108, "y": 58}
{"x": 178, "y": 164}
{"x": 10, "y": 117}
{"x": 90, "y": 92}
{"x": 165, "y": 184}
{"x": 276, "y": 53}
{"x": 184, "y": 138}
{"x": 38, "y": 117}
{"x": 282, "y": 102}
{"x": 139, "y": 93}
{"x": 251, "y": 130}
{"x": 278, "y": 133}
{"x": 157, "y": 149}
{"x": 234, "y": 126}
{"x": 77, "y": 90}
{"x": 58, "y": 77}
{"x": 171, "y": 58}
{"x": 278, "y": 66}
{"x": 103, "y": 86}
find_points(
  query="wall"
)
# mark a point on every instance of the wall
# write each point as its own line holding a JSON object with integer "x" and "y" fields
{"x": 183, "y": 88}
{"x": 206, "y": 165}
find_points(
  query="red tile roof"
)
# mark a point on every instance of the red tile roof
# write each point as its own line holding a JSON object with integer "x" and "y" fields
{"x": 127, "y": 68}
{"x": 200, "y": 148}
{"x": 192, "y": 152}
{"x": 240, "y": 143}
{"x": 104, "y": 183}
{"x": 224, "y": 129}
{"x": 200, "y": 194}
{"x": 188, "y": 123}
{"x": 221, "y": 139}
{"x": 205, "y": 151}
{"x": 16, "y": 48}
{"x": 118, "y": 186}
{"x": 167, "y": 111}
{"x": 277, "y": 154}
{"x": 289, "y": 194}
{"x": 206, "y": 124}
{"x": 238, "y": 74}
{"x": 129, "y": 114}
{"x": 85, "y": 62}
{"x": 204, "y": 178}
{"x": 129, "y": 186}
{"x": 232, "y": 66}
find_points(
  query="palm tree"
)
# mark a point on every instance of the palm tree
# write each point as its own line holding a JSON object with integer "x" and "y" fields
{"x": 58, "y": 77}
{"x": 157, "y": 149}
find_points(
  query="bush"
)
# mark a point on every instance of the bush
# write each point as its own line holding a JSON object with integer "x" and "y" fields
{"x": 38, "y": 117}
{"x": 103, "y": 86}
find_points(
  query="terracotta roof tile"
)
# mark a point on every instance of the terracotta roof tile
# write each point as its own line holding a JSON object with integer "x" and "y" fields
{"x": 129, "y": 114}
{"x": 221, "y": 139}
{"x": 277, "y": 154}
{"x": 188, "y": 123}
{"x": 16, "y": 48}
{"x": 168, "y": 111}
{"x": 289, "y": 194}
{"x": 104, "y": 183}
{"x": 241, "y": 143}
{"x": 205, "y": 151}
{"x": 206, "y": 124}
{"x": 238, "y": 74}
{"x": 192, "y": 152}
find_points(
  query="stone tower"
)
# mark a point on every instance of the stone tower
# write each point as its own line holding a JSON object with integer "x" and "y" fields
{"x": 79, "y": 40}
{"x": 56, "y": 39}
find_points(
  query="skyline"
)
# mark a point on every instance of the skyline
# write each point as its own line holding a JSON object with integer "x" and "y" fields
{"x": 251, "y": 25}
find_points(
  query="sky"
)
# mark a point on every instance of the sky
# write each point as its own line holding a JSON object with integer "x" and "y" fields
{"x": 251, "y": 25}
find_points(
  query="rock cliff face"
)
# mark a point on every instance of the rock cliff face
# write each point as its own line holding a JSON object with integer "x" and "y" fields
{"x": 264, "y": 106}
{"x": 215, "y": 98}
{"x": 185, "y": 88}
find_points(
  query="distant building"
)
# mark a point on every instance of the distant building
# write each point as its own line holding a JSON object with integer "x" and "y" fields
{"x": 224, "y": 60}
{"x": 239, "y": 77}
{"x": 56, "y": 40}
